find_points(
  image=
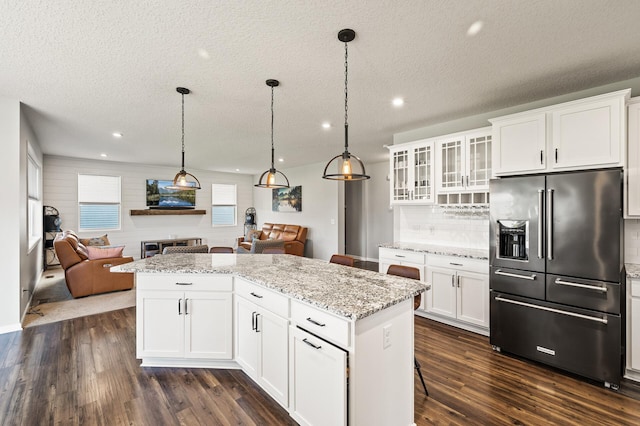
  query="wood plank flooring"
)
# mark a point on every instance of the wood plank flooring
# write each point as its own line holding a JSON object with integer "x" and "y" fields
{"x": 84, "y": 372}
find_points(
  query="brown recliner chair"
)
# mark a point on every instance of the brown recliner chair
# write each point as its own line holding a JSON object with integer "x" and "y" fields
{"x": 85, "y": 277}
{"x": 294, "y": 237}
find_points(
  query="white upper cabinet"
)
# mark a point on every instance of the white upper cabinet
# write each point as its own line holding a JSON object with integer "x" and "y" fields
{"x": 632, "y": 172}
{"x": 412, "y": 171}
{"x": 584, "y": 134}
{"x": 464, "y": 161}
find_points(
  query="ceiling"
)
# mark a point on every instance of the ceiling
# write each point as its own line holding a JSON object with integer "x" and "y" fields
{"x": 86, "y": 69}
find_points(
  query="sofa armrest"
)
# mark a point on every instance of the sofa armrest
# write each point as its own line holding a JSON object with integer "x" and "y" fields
{"x": 240, "y": 240}
{"x": 94, "y": 276}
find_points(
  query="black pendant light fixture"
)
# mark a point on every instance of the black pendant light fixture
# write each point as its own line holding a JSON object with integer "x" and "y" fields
{"x": 270, "y": 179}
{"x": 349, "y": 167}
{"x": 182, "y": 179}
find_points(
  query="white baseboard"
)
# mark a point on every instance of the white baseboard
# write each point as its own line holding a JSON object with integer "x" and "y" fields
{"x": 10, "y": 328}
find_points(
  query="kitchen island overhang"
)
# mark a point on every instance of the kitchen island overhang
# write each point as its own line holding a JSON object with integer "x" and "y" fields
{"x": 291, "y": 324}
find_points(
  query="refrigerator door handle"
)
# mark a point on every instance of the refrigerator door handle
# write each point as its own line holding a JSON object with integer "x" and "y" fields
{"x": 550, "y": 225}
{"x": 555, "y": 311}
{"x": 572, "y": 284}
{"x": 540, "y": 223}
{"x": 508, "y": 274}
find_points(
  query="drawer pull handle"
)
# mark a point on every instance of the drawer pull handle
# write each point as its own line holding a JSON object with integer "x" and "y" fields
{"x": 456, "y": 264}
{"x": 588, "y": 287}
{"x": 524, "y": 277}
{"x": 256, "y": 295}
{"x": 312, "y": 321}
{"x": 184, "y": 283}
{"x": 399, "y": 255}
{"x": 311, "y": 344}
{"x": 555, "y": 311}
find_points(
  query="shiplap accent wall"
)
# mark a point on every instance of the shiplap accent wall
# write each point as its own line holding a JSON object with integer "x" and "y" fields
{"x": 61, "y": 191}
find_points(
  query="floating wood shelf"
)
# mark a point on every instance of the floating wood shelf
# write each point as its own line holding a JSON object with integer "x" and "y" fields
{"x": 158, "y": 212}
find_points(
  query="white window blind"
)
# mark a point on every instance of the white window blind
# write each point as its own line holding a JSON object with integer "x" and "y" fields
{"x": 98, "y": 202}
{"x": 223, "y": 208}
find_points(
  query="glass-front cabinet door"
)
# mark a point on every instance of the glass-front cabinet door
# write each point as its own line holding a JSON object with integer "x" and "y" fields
{"x": 464, "y": 162}
{"x": 452, "y": 162}
{"x": 478, "y": 158}
{"x": 412, "y": 173}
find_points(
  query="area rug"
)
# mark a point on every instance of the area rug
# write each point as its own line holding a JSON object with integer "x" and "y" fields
{"x": 52, "y": 301}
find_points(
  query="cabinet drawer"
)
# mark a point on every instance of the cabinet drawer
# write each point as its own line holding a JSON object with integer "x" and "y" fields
{"x": 268, "y": 299}
{"x": 401, "y": 256}
{"x": 190, "y": 282}
{"x": 321, "y": 323}
{"x": 460, "y": 263}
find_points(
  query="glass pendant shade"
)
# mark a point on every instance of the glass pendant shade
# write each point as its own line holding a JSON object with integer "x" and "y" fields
{"x": 272, "y": 178}
{"x": 346, "y": 166}
{"x": 184, "y": 180}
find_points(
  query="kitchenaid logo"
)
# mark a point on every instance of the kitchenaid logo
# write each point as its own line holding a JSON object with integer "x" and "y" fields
{"x": 546, "y": 351}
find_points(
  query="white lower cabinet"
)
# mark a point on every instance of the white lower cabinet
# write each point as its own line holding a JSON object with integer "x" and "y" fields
{"x": 633, "y": 330}
{"x": 459, "y": 292}
{"x": 179, "y": 323}
{"x": 261, "y": 348}
{"x": 318, "y": 374}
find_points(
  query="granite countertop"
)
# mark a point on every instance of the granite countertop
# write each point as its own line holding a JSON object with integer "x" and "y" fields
{"x": 481, "y": 254}
{"x": 348, "y": 292}
{"x": 633, "y": 270}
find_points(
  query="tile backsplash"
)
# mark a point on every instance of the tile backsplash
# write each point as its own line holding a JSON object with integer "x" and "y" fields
{"x": 458, "y": 226}
{"x": 632, "y": 241}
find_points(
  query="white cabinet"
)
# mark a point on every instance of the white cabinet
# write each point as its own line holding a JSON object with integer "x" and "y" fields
{"x": 412, "y": 172}
{"x": 632, "y": 172}
{"x": 193, "y": 324}
{"x": 463, "y": 161}
{"x": 414, "y": 259}
{"x": 584, "y": 134}
{"x": 318, "y": 380}
{"x": 633, "y": 329}
{"x": 262, "y": 341}
{"x": 459, "y": 293}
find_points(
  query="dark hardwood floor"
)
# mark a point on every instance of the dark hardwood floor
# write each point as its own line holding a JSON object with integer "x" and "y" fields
{"x": 84, "y": 371}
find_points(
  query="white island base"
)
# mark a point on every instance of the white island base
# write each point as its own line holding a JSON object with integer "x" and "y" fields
{"x": 325, "y": 369}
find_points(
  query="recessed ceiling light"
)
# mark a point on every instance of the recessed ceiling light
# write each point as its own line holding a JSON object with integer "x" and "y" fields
{"x": 203, "y": 53}
{"x": 237, "y": 170}
{"x": 281, "y": 159}
{"x": 103, "y": 155}
{"x": 475, "y": 28}
{"x": 117, "y": 135}
{"x": 326, "y": 125}
{"x": 397, "y": 102}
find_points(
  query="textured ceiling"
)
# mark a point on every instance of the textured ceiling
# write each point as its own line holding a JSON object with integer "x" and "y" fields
{"x": 89, "y": 68}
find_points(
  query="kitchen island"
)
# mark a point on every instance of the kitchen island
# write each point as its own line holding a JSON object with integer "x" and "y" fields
{"x": 331, "y": 344}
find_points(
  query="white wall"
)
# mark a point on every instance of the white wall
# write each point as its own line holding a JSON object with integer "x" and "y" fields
{"x": 322, "y": 209}
{"x": 60, "y": 191}
{"x": 379, "y": 216}
{"x": 10, "y": 216}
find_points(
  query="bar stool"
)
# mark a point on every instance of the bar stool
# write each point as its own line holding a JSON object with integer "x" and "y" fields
{"x": 342, "y": 260}
{"x": 413, "y": 273}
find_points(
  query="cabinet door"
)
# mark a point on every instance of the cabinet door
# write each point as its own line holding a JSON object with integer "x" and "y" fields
{"x": 273, "y": 357}
{"x": 423, "y": 172}
{"x": 400, "y": 179}
{"x": 246, "y": 345}
{"x": 473, "y": 298}
{"x": 587, "y": 135}
{"x": 441, "y": 298}
{"x": 635, "y": 333}
{"x": 478, "y": 156}
{"x": 633, "y": 166}
{"x": 318, "y": 380}
{"x": 159, "y": 324}
{"x": 451, "y": 160}
{"x": 518, "y": 145}
{"x": 209, "y": 325}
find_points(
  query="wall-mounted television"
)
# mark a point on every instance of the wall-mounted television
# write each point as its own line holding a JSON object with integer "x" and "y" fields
{"x": 161, "y": 197}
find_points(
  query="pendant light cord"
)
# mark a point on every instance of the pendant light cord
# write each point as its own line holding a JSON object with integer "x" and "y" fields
{"x": 183, "y": 131}
{"x": 272, "y": 149}
{"x": 346, "y": 97}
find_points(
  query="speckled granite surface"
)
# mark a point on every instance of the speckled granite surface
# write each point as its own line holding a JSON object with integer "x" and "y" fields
{"x": 349, "y": 292}
{"x": 633, "y": 270}
{"x": 441, "y": 250}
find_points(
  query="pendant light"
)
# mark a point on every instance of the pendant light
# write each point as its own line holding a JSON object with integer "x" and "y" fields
{"x": 349, "y": 167}
{"x": 269, "y": 179}
{"x": 181, "y": 180}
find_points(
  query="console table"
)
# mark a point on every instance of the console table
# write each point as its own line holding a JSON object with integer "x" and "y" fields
{"x": 152, "y": 247}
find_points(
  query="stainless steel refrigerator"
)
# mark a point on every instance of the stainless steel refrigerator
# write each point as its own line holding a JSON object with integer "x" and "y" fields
{"x": 557, "y": 291}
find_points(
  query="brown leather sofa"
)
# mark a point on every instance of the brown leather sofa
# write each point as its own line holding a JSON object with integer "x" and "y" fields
{"x": 85, "y": 277}
{"x": 294, "y": 237}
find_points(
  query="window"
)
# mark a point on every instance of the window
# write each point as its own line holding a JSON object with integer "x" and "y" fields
{"x": 223, "y": 208}
{"x": 98, "y": 202}
{"x": 34, "y": 205}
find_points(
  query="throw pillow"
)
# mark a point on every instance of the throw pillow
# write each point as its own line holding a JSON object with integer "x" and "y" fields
{"x": 97, "y": 252}
{"x": 96, "y": 241}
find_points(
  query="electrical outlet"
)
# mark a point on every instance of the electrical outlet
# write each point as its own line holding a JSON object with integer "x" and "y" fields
{"x": 386, "y": 336}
